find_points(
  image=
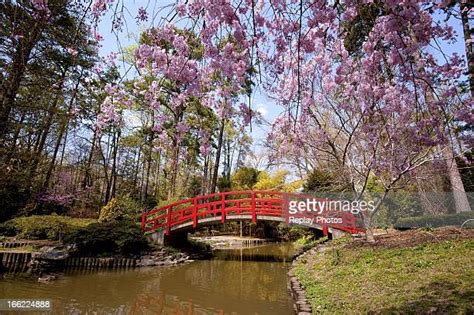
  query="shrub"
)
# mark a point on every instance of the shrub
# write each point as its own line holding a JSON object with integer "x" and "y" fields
{"x": 113, "y": 237}
{"x": 321, "y": 180}
{"x": 292, "y": 233}
{"x": 42, "y": 226}
{"x": 308, "y": 241}
{"x": 433, "y": 221}
{"x": 244, "y": 178}
{"x": 122, "y": 207}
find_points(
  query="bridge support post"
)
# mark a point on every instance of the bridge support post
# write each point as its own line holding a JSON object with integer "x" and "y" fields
{"x": 168, "y": 220}
{"x": 223, "y": 208}
{"x": 157, "y": 237}
{"x": 336, "y": 233}
{"x": 254, "y": 212}
{"x": 195, "y": 212}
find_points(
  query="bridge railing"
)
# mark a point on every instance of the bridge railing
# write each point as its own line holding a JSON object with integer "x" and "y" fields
{"x": 253, "y": 203}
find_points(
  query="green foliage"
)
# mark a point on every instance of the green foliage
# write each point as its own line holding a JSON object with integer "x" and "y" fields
{"x": 42, "y": 226}
{"x": 268, "y": 181}
{"x": 118, "y": 208}
{"x": 292, "y": 233}
{"x": 433, "y": 221}
{"x": 43, "y": 62}
{"x": 224, "y": 184}
{"x": 245, "y": 178}
{"x": 14, "y": 193}
{"x": 396, "y": 205}
{"x": 113, "y": 237}
{"x": 309, "y": 241}
{"x": 166, "y": 202}
{"x": 319, "y": 180}
{"x": 374, "y": 185}
{"x": 194, "y": 186}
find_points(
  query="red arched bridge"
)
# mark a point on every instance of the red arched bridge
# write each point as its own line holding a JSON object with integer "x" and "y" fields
{"x": 241, "y": 205}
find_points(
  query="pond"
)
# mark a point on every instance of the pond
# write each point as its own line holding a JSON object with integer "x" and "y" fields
{"x": 235, "y": 281}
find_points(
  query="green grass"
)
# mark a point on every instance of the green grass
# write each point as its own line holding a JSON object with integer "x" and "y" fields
{"x": 20, "y": 249}
{"x": 42, "y": 226}
{"x": 436, "y": 277}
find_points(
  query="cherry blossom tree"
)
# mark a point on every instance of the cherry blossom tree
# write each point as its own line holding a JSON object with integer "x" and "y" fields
{"x": 364, "y": 81}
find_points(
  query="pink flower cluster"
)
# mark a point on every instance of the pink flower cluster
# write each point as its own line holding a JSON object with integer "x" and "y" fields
{"x": 389, "y": 90}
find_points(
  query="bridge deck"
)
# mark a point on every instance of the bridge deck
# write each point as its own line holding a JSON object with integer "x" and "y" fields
{"x": 238, "y": 205}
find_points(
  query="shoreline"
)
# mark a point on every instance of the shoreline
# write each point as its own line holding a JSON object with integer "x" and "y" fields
{"x": 49, "y": 259}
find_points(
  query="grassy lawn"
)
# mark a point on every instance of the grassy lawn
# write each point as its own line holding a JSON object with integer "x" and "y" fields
{"x": 429, "y": 277}
{"x": 42, "y": 226}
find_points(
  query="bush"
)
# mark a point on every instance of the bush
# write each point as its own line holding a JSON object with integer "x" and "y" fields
{"x": 292, "y": 233}
{"x": 308, "y": 241}
{"x": 122, "y": 207}
{"x": 113, "y": 237}
{"x": 324, "y": 181}
{"x": 434, "y": 221}
{"x": 244, "y": 178}
{"x": 50, "y": 227}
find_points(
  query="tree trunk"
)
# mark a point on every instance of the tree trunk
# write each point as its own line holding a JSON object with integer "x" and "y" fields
{"x": 137, "y": 166}
{"x": 62, "y": 129}
{"x": 148, "y": 168}
{"x": 50, "y": 114}
{"x": 459, "y": 194}
{"x": 204, "y": 185}
{"x": 466, "y": 8}
{"x": 87, "y": 181}
{"x": 49, "y": 173}
{"x": 369, "y": 231}
{"x": 156, "y": 183}
{"x": 174, "y": 170}
{"x": 11, "y": 85}
{"x": 113, "y": 172}
{"x": 218, "y": 157}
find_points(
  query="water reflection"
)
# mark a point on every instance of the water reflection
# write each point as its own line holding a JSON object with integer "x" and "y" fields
{"x": 247, "y": 281}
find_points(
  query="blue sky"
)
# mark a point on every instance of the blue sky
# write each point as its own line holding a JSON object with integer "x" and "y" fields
{"x": 260, "y": 101}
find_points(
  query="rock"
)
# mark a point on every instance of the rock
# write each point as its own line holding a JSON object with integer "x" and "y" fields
{"x": 146, "y": 263}
{"x": 47, "y": 278}
{"x": 52, "y": 253}
{"x": 168, "y": 261}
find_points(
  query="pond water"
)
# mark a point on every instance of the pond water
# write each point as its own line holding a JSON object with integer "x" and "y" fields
{"x": 235, "y": 281}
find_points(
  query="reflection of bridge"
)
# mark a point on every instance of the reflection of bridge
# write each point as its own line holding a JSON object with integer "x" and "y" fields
{"x": 236, "y": 205}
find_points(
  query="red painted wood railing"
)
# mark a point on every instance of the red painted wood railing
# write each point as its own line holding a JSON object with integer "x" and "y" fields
{"x": 253, "y": 203}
